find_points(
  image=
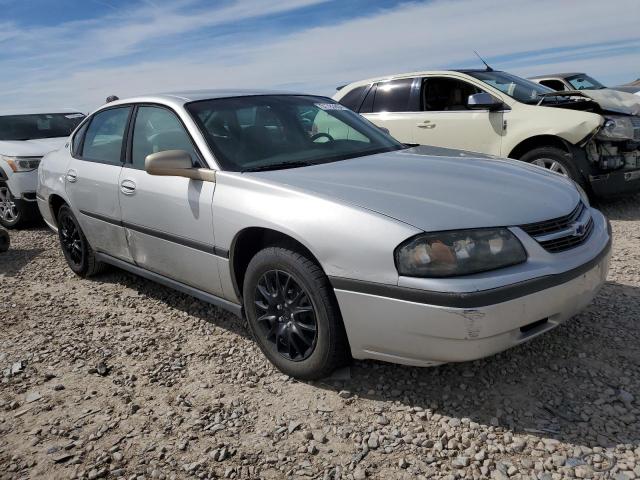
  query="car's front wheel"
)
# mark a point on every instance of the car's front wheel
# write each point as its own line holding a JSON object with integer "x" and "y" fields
{"x": 76, "y": 249}
{"x": 556, "y": 160}
{"x": 293, "y": 314}
{"x": 12, "y": 213}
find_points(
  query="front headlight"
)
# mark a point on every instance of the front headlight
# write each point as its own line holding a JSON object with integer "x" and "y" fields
{"x": 616, "y": 128}
{"x": 21, "y": 164}
{"x": 458, "y": 252}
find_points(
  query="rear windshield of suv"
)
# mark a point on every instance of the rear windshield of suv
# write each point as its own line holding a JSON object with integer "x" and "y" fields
{"x": 270, "y": 132}
{"x": 35, "y": 126}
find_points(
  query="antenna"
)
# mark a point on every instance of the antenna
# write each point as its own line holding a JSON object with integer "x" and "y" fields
{"x": 489, "y": 69}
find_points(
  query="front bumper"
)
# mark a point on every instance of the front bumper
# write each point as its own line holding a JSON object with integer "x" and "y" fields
{"x": 401, "y": 330}
{"x": 619, "y": 182}
{"x": 23, "y": 185}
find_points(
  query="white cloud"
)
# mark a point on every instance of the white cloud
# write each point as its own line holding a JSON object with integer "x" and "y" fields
{"x": 413, "y": 36}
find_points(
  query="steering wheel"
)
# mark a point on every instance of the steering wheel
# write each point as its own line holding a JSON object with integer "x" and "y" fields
{"x": 320, "y": 135}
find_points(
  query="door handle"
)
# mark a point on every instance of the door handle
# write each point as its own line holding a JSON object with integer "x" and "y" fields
{"x": 128, "y": 187}
{"x": 426, "y": 124}
{"x": 72, "y": 176}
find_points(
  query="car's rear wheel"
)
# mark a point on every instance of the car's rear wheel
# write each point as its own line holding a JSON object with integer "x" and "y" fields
{"x": 293, "y": 314}
{"x": 556, "y": 160}
{"x": 76, "y": 249}
{"x": 12, "y": 213}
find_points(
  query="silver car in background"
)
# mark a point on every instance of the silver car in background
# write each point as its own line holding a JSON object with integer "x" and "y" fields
{"x": 332, "y": 238}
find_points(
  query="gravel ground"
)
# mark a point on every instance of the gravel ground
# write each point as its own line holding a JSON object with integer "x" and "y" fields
{"x": 120, "y": 377}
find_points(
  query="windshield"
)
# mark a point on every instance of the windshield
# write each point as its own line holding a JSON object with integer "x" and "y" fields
{"x": 269, "y": 132}
{"x": 585, "y": 82}
{"x": 521, "y": 89}
{"x": 44, "y": 125}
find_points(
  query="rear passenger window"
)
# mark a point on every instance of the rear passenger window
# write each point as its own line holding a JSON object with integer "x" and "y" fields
{"x": 103, "y": 140}
{"x": 367, "y": 103}
{"x": 353, "y": 98}
{"x": 156, "y": 130}
{"x": 393, "y": 96}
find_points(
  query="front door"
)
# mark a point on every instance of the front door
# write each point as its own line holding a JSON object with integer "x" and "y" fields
{"x": 168, "y": 220}
{"x": 92, "y": 178}
{"x": 446, "y": 120}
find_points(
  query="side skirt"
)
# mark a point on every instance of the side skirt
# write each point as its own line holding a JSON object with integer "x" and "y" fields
{"x": 181, "y": 287}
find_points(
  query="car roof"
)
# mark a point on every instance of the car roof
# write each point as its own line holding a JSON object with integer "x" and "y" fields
{"x": 36, "y": 111}
{"x": 183, "y": 97}
{"x": 558, "y": 75}
{"x": 411, "y": 74}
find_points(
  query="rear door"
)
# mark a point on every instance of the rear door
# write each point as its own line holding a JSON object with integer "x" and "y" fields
{"x": 168, "y": 220}
{"x": 91, "y": 180}
{"x": 394, "y": 105}
{"x": 447, "y": 121}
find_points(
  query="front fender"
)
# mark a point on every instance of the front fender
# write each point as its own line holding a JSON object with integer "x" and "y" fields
{"x": 527, "y": 121}
{"x": 348, "y": 241}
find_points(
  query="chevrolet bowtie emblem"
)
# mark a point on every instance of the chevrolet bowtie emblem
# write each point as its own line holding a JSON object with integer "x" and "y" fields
{"x": 579, "y": 229}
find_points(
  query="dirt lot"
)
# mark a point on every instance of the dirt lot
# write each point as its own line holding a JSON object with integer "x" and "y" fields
{"x": 117, "y": 376}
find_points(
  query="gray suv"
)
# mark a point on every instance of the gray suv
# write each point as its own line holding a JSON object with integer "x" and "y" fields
{"x": 332, "y": 238}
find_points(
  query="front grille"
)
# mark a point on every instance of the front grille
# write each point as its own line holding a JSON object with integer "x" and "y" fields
{"x": 563, "y": 233}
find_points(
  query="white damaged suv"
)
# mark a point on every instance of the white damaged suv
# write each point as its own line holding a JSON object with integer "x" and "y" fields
{"x": 592, "y": 138}
{"x": 25, "y": 137}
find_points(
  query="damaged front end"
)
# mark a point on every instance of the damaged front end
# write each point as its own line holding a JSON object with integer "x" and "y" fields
{"x": 610, "y": 154}
{"x": 613, "y": 154}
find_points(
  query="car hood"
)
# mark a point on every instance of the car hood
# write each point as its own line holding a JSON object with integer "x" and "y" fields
{"x": 31, "y": 148}
{"x": 438, "y": 189}
{"x": 608, "y": 99}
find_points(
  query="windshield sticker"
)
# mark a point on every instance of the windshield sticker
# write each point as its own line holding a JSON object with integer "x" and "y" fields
{"x": 330, "y": 106}
{"x": 74, "y": 115}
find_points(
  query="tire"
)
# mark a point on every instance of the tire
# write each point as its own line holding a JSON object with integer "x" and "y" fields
{"x": 5, "y": 241}
{"x": 76, "y": 249}
{"x": 12, "y": 213}
{"x": 285, "y": 334}
{"x": 557, "y": 160}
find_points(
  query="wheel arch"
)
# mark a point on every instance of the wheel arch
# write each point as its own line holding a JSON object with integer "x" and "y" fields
{"x": 55, "y": 203}
{"x": 536, "y": 142}
{"x": 250, "y": 241}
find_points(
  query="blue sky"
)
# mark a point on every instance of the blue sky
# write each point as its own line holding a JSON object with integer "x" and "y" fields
{"x": 75, "y": 53}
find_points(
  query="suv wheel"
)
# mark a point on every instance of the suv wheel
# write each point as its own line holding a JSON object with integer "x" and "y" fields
{"x": 12, "y": 214}
{"x": 293, "y": 314}
{"x": 77, "y": 251}
{"x": 556, "y": 160}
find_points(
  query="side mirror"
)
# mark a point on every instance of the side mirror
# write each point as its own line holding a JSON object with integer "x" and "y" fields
{"x": 385, "y": 130}
{"x": 176, "y": 163}
{"x": 483, "y": 101}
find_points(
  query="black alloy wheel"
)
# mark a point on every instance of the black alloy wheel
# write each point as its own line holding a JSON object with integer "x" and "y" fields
{"x": 76, "y": 249}
{"x": 293, "y": 314}
{"x": 71, "y": 241}
{"x": 286, "y": 315}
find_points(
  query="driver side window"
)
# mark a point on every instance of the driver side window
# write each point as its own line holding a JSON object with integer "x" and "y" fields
{"x": 446, "y": 94}
{"x": 156, "y": 130}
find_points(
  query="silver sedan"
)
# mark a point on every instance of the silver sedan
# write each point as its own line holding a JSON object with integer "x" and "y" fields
{"x": 332, "y": 238}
